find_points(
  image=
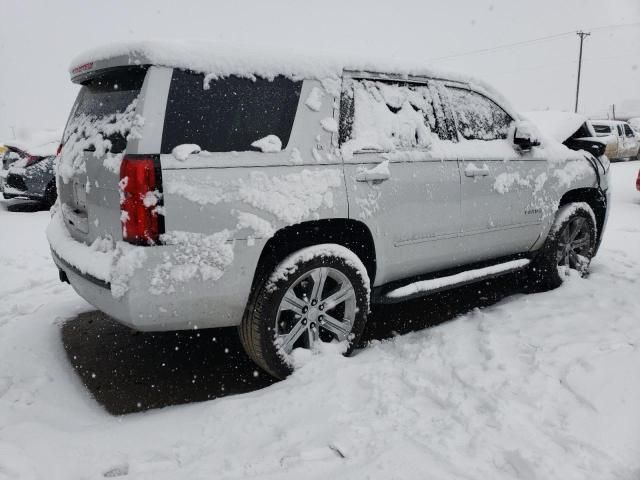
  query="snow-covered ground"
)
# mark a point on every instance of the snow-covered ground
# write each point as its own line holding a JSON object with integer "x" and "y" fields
{"x": 541, "y": 386}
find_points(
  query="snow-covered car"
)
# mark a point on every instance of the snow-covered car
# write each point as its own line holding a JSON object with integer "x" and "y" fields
{"x": 9, "y": 156}
{"x": 202, "y": 186}
{"x": 33, "y": 178}
{"x": 622, "y": 141}
{"x": 29, "y": 159}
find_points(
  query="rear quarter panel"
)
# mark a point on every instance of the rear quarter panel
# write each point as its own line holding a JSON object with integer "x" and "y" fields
{"x": 240, "y": 199}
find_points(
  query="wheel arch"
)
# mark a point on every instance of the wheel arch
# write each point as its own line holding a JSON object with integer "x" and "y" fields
{"x": 595, "y": 199}
{"x": 349, "y": 233}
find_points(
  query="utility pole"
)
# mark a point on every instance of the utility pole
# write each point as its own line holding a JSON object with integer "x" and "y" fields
{"x": 581, "y": 34}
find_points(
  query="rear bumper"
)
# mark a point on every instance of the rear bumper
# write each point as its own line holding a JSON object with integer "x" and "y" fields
{"x": 10, "y": 192}
{"x": 186, "y": 304}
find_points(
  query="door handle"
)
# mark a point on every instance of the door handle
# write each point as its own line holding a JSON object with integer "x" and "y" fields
{"x": 378, "y": 174}
{"x": 375, "y": 177}
{"x": 473, "y": 171}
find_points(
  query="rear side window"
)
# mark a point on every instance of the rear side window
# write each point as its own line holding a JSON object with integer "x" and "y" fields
{"x": 619, "y": 130}
{"x": 387, "y": 115}
{"x": 101, "y": 102}
{"x": 228, "y": 114}
{"x": 479, "y": 118}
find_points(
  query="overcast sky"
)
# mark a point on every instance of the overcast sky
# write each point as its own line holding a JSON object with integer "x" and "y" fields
{"x": 38, "y": 38}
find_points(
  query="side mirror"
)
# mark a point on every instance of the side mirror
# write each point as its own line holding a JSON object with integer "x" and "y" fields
{"x": 524, "y": 136}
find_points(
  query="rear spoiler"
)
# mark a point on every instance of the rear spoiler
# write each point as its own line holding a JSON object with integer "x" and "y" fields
{"x": 80, "y": 73}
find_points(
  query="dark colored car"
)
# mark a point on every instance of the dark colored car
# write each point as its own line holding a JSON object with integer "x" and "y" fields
{"x": 32, "y": 177}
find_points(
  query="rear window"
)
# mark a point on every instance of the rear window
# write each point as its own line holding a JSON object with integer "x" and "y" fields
{"x": 228, "y": 114}
{"x": 101, "y": 101}
{"x": 602, "y": 128}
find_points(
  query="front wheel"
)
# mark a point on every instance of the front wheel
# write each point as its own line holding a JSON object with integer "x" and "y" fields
{"x": 318, "y": 294}
{"x": 569, "y": 246}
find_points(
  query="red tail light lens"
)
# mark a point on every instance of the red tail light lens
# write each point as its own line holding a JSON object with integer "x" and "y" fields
{"x": 638, "y": 181}
{"x": 140, "y": 185}
{"x": 59, "y": 150}
{"x": 31, "y": 160}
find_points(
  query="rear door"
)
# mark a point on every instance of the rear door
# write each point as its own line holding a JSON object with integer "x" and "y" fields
{"x": 499, "y": 212}
{"x": 406, "y": 191}
{"x": 103, "y": 119}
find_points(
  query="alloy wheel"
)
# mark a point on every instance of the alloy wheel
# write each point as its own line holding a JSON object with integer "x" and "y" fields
{"x": 319, "y": 306}
{"x": 574, "y": 245}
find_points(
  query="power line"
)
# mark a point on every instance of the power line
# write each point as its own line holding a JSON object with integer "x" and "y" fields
{"x": 532, "y": 41}
{"x": 502, "y": 47}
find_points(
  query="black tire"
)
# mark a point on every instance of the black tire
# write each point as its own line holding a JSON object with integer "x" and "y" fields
{"x": 258, "y": 328}
{"x": 50, "y": 195}
{"x": 547, "y": 271}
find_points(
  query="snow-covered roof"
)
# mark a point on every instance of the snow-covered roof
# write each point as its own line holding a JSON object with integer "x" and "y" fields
{"x": 557, "y": 124}
{"x": 222, "y": 60}
{"x": 608, "y": 122}
{"x": 41, "y": 143}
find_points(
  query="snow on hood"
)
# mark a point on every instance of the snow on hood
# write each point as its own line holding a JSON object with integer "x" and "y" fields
{"x": 40, "y": 143}
{"x": 220, "y": 60}
{"x": 556, "y": 124}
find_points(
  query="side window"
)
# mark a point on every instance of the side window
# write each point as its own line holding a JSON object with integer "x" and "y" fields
{"x": 619, "y": 127}
{"x": 228, "y": 114}
{"x": 627, "y": 130}
{"x": 387, "y": 115}
{"x": 479, "y": 118}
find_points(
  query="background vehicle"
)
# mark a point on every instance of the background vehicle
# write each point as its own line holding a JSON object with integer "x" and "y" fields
{"x": 285, "y": 200}
{"x": 573, "y": 130}
{"x": 33, "y": 175}
{"x": 621, "y": 140}
{"x": 33, "y": 178}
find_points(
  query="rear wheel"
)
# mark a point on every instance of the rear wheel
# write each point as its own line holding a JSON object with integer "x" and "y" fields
{"x": 318, "y": 294}
{"x": 569, "y": 246}
{"x": 50, "y": 195}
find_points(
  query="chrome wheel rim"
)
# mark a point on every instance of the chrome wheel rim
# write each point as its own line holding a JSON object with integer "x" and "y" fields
{"x": 319, "y": 306}
{"x": 574, "y": 245}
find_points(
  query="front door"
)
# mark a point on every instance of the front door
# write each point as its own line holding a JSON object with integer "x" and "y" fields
{"x": 403, "y": 189}
{"x": 500, "y": 215}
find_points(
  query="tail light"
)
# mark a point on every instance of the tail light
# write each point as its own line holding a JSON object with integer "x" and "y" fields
{"x": 638, "y": 181}
{"x": 59, "y": 150}
{"x": 31, "y": 160}
{"x": 140, "y": 195}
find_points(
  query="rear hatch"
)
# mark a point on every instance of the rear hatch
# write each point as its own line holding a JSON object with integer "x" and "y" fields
{"x": 104, "y": 118}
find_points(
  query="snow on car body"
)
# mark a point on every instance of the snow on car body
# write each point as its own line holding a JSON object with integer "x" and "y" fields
{"x": 191, "y": 175}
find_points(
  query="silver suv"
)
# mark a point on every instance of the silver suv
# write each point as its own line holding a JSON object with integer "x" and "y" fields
{"x": 197, "y": 191}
